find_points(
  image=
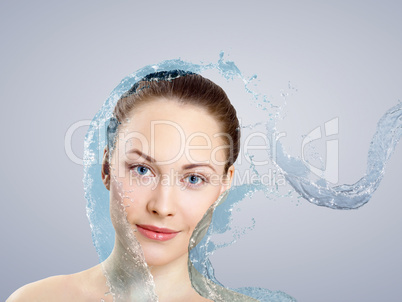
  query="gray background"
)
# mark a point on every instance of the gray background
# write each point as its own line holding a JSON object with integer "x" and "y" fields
{"x": 60, "y": 60}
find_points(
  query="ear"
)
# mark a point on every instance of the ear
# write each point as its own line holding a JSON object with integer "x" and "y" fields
{"x": 105, "y": 171}
{"x": 227, "y": 181}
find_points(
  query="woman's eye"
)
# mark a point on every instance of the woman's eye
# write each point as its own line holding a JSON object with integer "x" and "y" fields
{"x": 194, "y": 180}
{"x": 142, "y": 170}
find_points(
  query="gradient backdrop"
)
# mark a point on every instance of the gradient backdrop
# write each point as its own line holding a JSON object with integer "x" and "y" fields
{"x": 61, "y": 59}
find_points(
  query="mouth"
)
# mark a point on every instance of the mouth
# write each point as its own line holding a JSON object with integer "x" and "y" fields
{"x": 155, "y": 233}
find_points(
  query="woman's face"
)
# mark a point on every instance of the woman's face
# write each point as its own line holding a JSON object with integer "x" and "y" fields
{"x": 166, "y": 170}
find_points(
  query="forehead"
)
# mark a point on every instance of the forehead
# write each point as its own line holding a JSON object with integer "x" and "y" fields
{"x": 166, "y": 129}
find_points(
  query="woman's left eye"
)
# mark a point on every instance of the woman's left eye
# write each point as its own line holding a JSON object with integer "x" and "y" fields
{"x": 194, "y": 180}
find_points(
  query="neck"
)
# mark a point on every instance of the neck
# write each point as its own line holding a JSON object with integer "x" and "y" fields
{"x": 171, "y": 277}
{"x": 127, "y": 274}
{"x": 126, "y": 268}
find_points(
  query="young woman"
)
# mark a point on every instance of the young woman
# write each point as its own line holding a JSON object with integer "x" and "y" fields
{"x": 172, "y": 142}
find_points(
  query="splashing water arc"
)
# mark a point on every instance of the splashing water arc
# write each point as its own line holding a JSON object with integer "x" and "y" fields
{"x": 218, "y": 217}
{"x": 386, "y": 137}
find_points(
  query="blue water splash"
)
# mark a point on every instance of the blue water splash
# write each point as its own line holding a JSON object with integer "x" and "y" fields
{"x": 319, "y": 192}
{"x": 388, "y": 133}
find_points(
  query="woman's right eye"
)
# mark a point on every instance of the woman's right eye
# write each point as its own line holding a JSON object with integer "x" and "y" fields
{"x": 142, "y": 170}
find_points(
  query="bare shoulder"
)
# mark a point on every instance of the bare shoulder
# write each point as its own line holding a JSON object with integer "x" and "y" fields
{"x": 43, "y": 290}
{"x": 83, "y": 286}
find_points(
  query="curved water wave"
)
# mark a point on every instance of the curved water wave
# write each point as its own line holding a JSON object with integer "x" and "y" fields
{"x": 386, "y": 137}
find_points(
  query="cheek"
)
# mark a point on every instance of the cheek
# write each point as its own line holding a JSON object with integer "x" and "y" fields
{"x": 126, "y": 195}
{"x": 198, "y": 203}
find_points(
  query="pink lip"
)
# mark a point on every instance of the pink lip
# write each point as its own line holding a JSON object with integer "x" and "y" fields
{"x": 155, "y": 233}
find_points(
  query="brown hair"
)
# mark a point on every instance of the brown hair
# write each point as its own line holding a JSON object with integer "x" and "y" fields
{"x": 186, "y": 88}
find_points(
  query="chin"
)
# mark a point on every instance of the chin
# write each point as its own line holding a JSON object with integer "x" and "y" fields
{"x": 160, "y": 256}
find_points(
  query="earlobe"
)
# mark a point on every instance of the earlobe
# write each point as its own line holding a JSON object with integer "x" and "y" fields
{"x": 105, "y": 171}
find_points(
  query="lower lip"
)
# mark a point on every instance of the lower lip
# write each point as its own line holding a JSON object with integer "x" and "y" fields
{"x": 156, "y": 235}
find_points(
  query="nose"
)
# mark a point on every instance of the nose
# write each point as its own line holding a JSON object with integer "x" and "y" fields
{"x": 163, "y": 202}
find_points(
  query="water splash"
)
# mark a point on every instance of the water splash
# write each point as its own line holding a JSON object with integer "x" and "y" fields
{"x": 127, "y": 274}
{"x": 319, "y": 192}
{"x": 218, "y": 218}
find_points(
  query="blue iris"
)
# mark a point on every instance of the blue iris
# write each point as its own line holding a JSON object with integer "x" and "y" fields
{"x": 142, "y": 170}
{"x": 193, "y": 179}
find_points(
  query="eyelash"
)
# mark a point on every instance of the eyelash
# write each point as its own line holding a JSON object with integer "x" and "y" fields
{"x": 188, "y": 184}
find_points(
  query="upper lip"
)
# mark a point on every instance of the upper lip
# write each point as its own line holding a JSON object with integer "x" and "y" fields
{"x": 156, "y": 229}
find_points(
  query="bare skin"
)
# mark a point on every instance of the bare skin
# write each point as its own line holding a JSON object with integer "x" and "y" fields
{"x": 90, "y": 285}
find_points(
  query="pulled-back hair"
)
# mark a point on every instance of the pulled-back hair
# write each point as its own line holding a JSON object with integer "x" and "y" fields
{"x": 186, "y": 88}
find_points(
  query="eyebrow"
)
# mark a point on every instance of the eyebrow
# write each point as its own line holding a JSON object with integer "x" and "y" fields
{"x": 185, "y": 167}
{"x": 141, "y": 154}
{"x": 191, "y": 166}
